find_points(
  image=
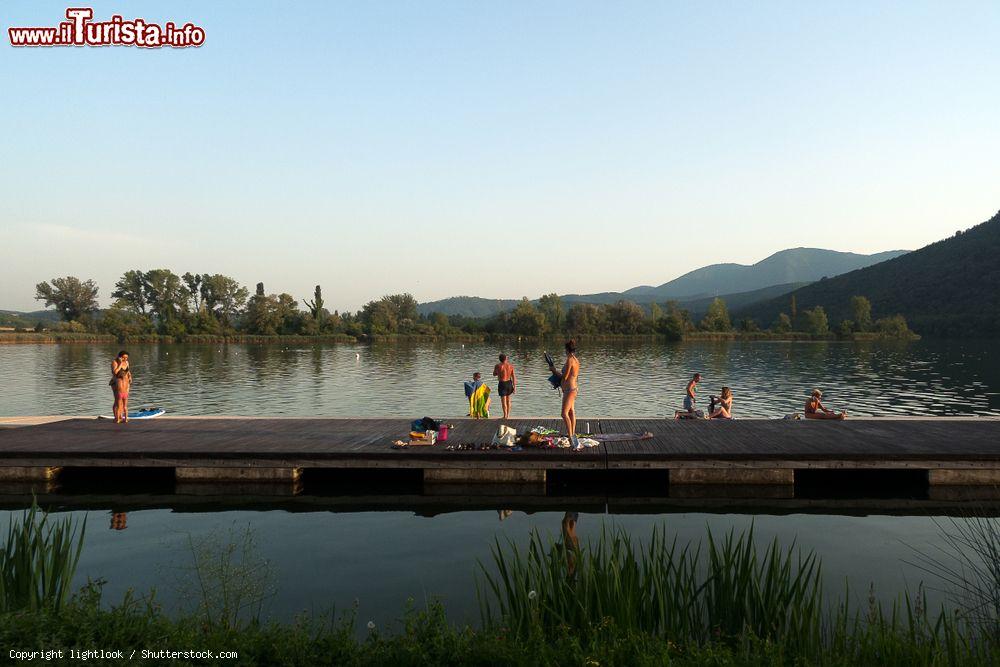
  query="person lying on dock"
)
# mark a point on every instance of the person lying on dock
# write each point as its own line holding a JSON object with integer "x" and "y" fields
{"x": 478, "y": 393}
{"x": 816, "y": 410}
{"x": 724, "y": 403}
{"x": 690, "y": 410}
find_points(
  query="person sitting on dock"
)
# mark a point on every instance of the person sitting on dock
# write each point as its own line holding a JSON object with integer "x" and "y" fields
{"x": 478, "y": 393}
{"x": 816, "y": 410}
{"x": 724, "y": 403}
{"x": 690, "y": 410}
{"x": 506, "y": 383}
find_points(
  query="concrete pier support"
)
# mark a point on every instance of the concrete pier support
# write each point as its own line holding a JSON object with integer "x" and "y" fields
{"x": 484, "y": 476}
{"x": 237, "y": 474}
{"x": 964, "y": 476}
{"x": 29, "y": 473}
{"x": 741, "y": 476}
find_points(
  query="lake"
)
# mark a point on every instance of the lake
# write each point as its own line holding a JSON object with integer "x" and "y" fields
{"x": 768, "y": 379}
{"x": 323, "y": 555}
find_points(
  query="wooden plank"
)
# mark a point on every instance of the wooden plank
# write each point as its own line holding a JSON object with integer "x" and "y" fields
{"x": 947, "y": 444}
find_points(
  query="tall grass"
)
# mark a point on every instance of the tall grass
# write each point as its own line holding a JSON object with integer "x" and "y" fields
{"x": 660, "y": 588}
{"x": 38, "y": 561}
{"x": 968, "y": 565}
{"x": 722, "y": 592}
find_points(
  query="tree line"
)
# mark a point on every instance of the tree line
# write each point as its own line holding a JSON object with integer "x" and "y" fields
{"x": 161, "y": 302}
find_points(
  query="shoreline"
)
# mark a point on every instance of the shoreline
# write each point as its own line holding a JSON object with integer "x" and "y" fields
{"x": 73, "y": 338}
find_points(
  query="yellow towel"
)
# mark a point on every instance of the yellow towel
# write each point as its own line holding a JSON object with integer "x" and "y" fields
{"x": 477, "y": 403}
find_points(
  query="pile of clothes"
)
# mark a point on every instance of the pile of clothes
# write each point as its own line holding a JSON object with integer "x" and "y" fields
{"x": 540, "y": 437}
{"x": 424, "y": 431}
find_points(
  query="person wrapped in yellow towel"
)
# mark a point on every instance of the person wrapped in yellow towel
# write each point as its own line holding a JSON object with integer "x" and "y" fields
{"x": 478, "y": 393}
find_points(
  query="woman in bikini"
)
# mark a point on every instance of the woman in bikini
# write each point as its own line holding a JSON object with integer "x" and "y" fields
{"x": 725, "y": 405}
{"x": 816, "y": 410}
{"x": 121, "y": 382}
{"x": 570, "y": 389}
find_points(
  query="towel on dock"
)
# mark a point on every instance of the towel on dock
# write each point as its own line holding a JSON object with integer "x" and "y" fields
{"x": 621, "y": 437}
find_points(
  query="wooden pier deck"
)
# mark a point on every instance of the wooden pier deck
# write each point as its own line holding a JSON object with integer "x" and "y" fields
{"x": 950, "y": 450}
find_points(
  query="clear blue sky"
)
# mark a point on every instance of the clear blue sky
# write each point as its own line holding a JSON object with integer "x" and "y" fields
{"x": 499, "y": 149}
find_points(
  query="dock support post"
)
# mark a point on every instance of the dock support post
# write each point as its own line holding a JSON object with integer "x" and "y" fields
{"x": 963, "y": 476}
{"x": 237, "y": 474}
{"x": 29, "y": 473}
{"x": 484, "y": 476}
{"x": 742, "y": 476}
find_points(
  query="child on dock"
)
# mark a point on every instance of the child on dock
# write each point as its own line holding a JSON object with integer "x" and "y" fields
{"x": 690, "y": 410}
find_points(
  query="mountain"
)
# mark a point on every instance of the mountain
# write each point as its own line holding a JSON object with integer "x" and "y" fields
{"x": 698, "y": 307}
{"x": 468, "y": 306}
{"x": 787, "y": 268}
{"x": 14, "y": 318}
{"x": 795, "y": 265}
{"x": 949, "y": 288}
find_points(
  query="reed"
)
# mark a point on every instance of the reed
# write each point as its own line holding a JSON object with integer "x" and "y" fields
{"x": 38, "y": 561}
{"x": 660, "y": 588}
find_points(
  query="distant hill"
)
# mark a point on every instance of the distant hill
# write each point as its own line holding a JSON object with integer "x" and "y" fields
{"x": 698, "y": 307}
{"x": 795, "y": 265}
{"x": 27, "y": 320}
{"x": 468, "y": 306}
{"x": 787, "y": 268}
{"x": 949, "y": 288}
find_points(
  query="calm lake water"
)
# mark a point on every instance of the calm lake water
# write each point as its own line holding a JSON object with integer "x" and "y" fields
{"x": 768, "y": 379}
{"x": 321, "y": 559}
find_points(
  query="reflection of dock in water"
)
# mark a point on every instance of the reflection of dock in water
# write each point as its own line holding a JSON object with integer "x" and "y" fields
{"x": 755, "y": 464}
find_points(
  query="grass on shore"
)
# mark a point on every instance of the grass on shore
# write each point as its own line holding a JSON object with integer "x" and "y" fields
{"x": 613, "y": 602}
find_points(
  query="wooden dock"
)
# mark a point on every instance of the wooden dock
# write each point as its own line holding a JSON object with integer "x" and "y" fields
{"x": 949, "y": 451}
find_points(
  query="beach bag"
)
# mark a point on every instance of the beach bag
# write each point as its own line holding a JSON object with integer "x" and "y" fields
{"x": 505, "y": 436}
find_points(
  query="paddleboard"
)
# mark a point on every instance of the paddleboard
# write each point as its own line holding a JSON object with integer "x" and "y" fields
{"x": 141, "y": 413}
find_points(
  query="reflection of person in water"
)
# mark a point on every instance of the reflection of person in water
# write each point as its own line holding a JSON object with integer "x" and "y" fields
{"x": 570, "y": 541}
{"x": 119, "y": 521}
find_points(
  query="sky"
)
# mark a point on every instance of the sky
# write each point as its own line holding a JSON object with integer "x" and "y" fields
{"x": 497, "y": 149}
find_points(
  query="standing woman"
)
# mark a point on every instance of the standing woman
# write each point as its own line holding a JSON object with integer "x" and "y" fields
{"x": 121, "y": 382}
{"x": 570, "y": 389}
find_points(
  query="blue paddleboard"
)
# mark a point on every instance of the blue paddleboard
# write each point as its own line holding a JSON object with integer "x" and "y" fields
{"x": 141, "y": 413}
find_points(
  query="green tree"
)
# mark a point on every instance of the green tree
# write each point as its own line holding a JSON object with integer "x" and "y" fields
{"x": 288, "y": 311}
{"x": 815, "y": 321}
{"x": 130, "y": 291}
{"x": 526, "y": 320}
{"x": 681, "y": 317}
{"x": 893, "y": 327}
{"x": 193, "y": 290}
{"x": 72, "y": 297}
{"x": 625, "y": 317}
{"x": 316, "y": 305}
{"x": 655, "y": 313}
{"x": 861, "y": 308}
{"x": 263, "y": 316}
{"x": 379, "y": 318}
{"x": 223, "y": 297}
{"x": 783, "y": 324}
{"x": 125, "y": 323}
{"x": 748, "y": 325}
{"x": 583, "y": 318}
{"x": 165, "y": 297}
{"x": 717, "y": 317}
{"x": 551, "y": 306}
